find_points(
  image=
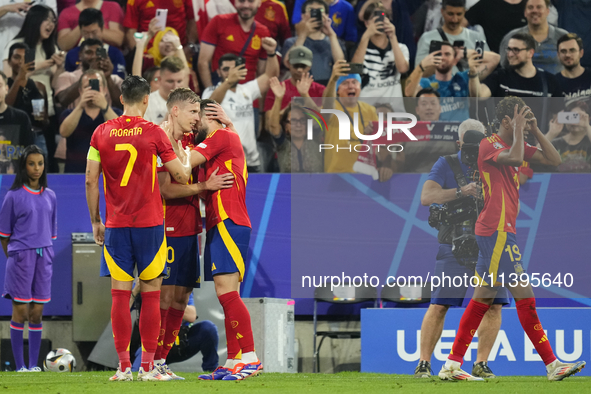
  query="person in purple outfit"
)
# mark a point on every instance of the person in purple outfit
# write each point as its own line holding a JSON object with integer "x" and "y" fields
{"x": 28, "y": 224}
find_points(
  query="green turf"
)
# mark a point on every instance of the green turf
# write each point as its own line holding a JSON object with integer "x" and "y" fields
{"x": 346, "y": 382}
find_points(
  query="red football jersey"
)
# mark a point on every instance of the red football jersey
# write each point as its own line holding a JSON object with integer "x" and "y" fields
{"x": 225, "y": 33}
{"x": 223, "y": 150}
{"x": 129, "y": 148}
{"x": 182, "y": 216}
{"x": 272, "y": 13}
{"x": 500, "y": 186}
{"x": 140, "y": 12}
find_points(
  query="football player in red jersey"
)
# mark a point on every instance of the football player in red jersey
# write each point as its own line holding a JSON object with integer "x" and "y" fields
{"x": 182, "y": 225}
{"x": 125, "y": 150}
{"x": 228, "y": 235}
{"x": 499, "y": 262}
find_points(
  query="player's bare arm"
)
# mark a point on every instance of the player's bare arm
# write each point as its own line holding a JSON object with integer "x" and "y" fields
{"x": 181, "y": 172}
{"x": 514, "y": 155}
{"x": 93, "y": 172}
{"x": 215, "y": 182}
{"x": 433, "y": 193}
{"x": 548, "y": 154}
{"x": 197, "y": 159}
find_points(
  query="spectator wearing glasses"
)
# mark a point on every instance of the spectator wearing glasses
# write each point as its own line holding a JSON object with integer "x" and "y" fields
{"x": 545, "y": 35}
{"x": 320, "y": 38}
{"x": 574, "y": 79}
{"x": 522, "y": 78}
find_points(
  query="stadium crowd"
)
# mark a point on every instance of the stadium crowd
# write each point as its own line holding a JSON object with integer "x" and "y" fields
{"x": 356, "y": 56}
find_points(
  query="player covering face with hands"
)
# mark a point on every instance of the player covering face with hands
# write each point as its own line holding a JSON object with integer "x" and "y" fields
{"x": 499, "y": 157}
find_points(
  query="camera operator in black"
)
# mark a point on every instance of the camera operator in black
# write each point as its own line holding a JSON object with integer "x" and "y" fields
{"x": 442, "y": 187}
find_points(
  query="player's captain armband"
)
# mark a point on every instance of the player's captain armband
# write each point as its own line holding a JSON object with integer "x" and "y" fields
{"x": 159, "y": 162}
{"x": 93, "y": 154}
{"x": 202, "y": 146}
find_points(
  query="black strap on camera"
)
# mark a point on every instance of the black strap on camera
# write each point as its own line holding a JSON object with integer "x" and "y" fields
{"x": 454, "y": 163}
{"x": 247, "y": 43}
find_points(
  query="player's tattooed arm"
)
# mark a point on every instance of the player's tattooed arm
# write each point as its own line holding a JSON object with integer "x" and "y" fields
{"x": 215, "y": 182}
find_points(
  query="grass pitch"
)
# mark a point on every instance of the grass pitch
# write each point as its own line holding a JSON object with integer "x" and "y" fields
{"x": 346, "y": 382}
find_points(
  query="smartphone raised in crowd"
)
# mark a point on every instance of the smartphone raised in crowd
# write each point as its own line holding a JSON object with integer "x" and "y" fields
{"x": 380, "y": 18}
{"x": 101, "y": 53}
{"x": 435, "y": 46}
{"x": 29, "y": 55}
{"x": 240, "y": 61}
{"x": 479, "y": 46}
{"x": 316, "y": 13}
{"x": 569, "y": 118}
{"x": 161, "y": 15}
{"x": 94, "y": 84}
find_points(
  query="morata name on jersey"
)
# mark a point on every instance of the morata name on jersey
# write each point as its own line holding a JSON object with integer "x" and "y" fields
{"x": 125, "y": 132}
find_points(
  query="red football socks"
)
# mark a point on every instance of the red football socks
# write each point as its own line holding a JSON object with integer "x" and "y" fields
{"x": 231, "y": 341}
{"x": 149, "y": 327}
{"x": 173, "y": 324}
{"x": 158, "y": 354}
{"x": 468, "y": 325}
{"x": 528, "y": 317}
{"x": 239, "y": 320}
{"x": 121, "y": 322}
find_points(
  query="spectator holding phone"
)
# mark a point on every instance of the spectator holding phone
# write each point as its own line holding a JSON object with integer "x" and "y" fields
{"x": 78, "y": 124}
{"x": 314, "y": 32}
{"x": 383, "y": 58}
{"x": 574, "y": 147}
{"x": 452, "y": 31}
{"x": 453, "y": 88}
{"x": 12, "y": 17}
{"x": 70, "y": 31}
{"x": 179, "y": 15}
{"x": 38, "y": 31}
{"x": 25, "y": 94}
{"x": 92, "y": 56}
{"x": 91, "y": 25}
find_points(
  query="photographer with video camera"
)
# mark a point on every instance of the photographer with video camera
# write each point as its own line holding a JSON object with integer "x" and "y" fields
{"x": 453, "y": 183}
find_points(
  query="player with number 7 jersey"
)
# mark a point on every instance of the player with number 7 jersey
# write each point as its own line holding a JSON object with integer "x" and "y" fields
{"x": 126, "y": 151}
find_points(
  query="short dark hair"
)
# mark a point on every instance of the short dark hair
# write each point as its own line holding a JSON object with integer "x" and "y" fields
{"x": 227, "y": 57}
{"x": 453, "y": 3}
{"x": 15, "y": 46}
{"x": 149, "y": 73}
{"x": 172, "y": 64}
{"x": 368, "y": 14}
{"x": 181, "y": 95}
{"x": 564, "y": 38}
{"x": 526, "y": 38}
{"x": 203, "y": 105}
{"x": 134, "y": 89}
{"x": 428, "y": 91}
{"x": 506, "y": 107}
{"x": 309, "y": 2}
{"x": 21, "y": 170}
{"x": 547, "y": 2}
{"x": 89, "y": 16}
{"x": 91, "y": 71}
{"x": 89, "y": 43}
{"x": 582, "y": 104}
{"x": 4, "y": 77}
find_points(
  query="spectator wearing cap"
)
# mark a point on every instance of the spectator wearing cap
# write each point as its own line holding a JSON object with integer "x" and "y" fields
{"x": 320, "y": 38}
{"x": 342, "y": 93}
{"x": 300, "y": 83}
{"x": 383, "y": 58}
{"x": 236, "y": 99}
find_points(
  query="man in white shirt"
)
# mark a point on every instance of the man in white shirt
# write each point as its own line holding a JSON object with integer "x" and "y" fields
{"x": 237, "y": 99}
{"x": 12, "y": 16}
{"x": 172, "y": 74}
